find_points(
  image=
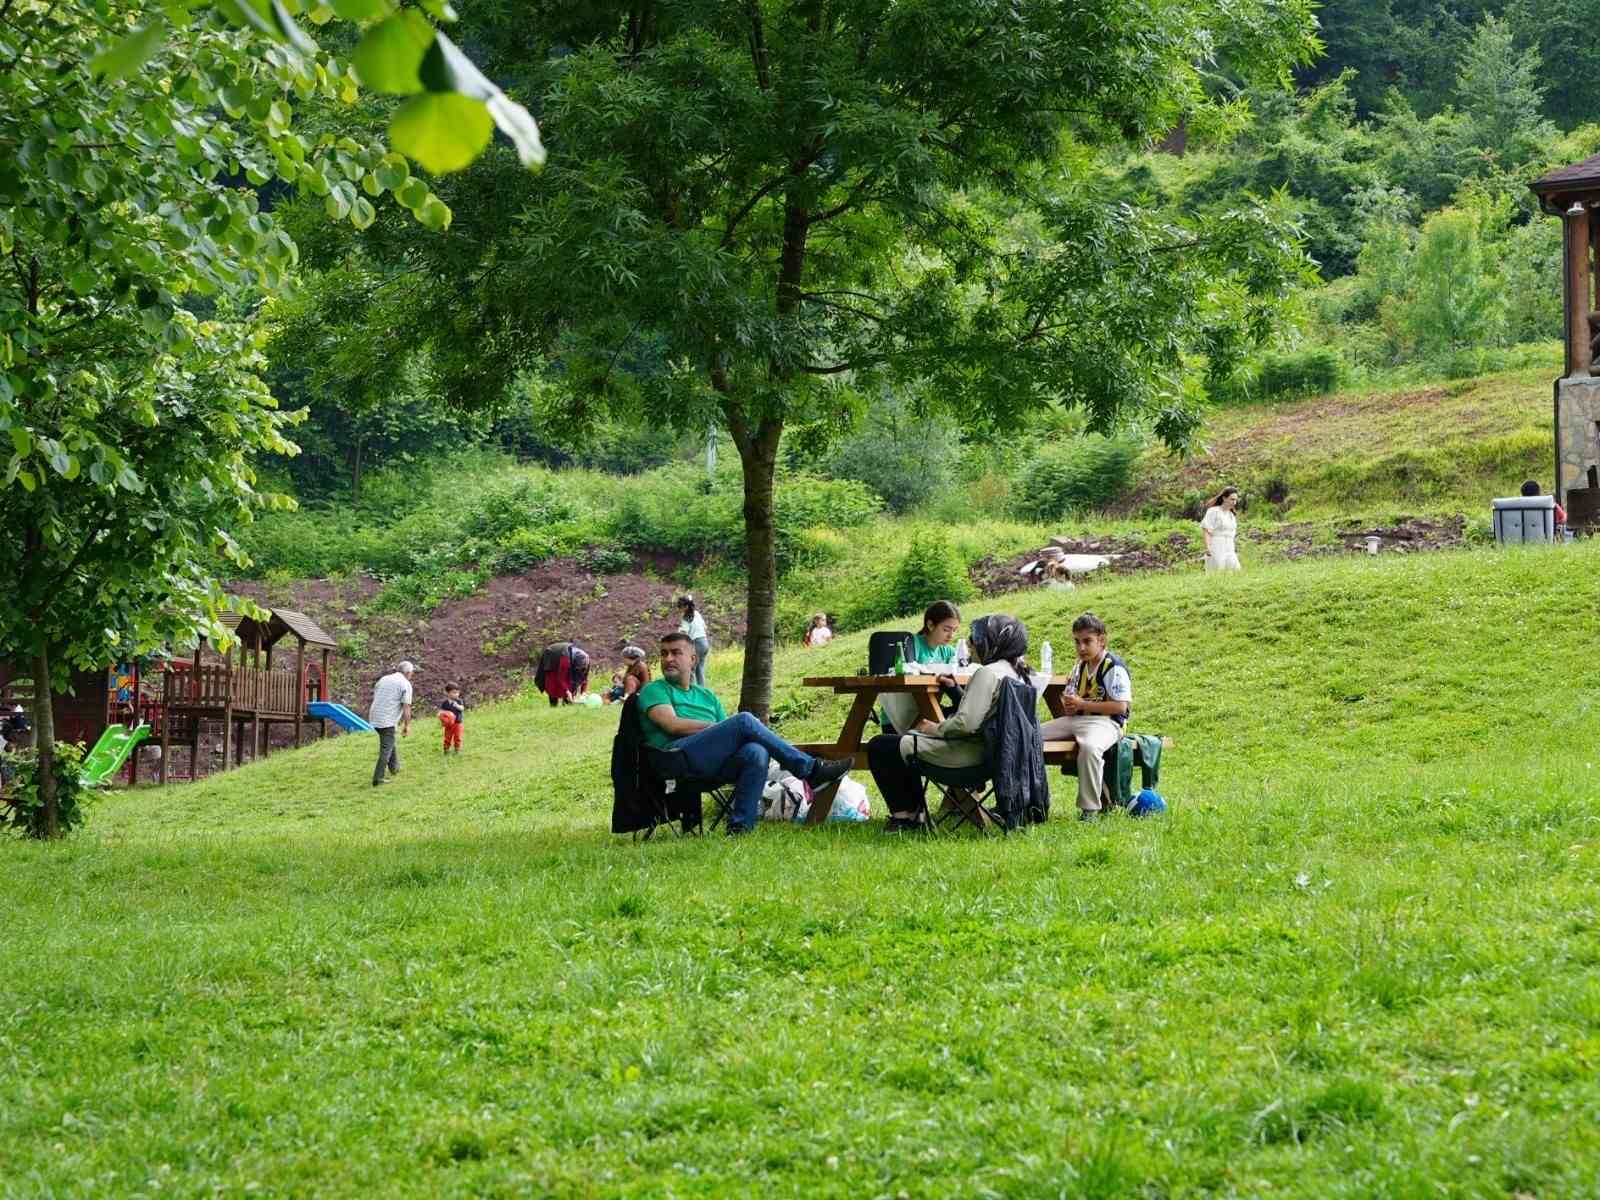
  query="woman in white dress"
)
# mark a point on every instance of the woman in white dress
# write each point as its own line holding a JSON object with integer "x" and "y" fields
{"x": 1220, "y": 527}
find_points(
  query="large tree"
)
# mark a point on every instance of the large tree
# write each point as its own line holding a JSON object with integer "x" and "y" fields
{"x": 134, "y": 253}
{"x": 786, "y": 199}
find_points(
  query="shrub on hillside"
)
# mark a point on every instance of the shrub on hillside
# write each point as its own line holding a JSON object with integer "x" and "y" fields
{"x": 1302, "y": 373}
{"x": 525, "y": 504}
{"x": 680, "y": 511}
{"x": 1069, "y": 477}
{"x": 908, "y": 461}
{"x": 930, "y": 570}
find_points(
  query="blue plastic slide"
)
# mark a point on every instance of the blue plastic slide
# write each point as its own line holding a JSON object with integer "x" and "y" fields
{"x": 339, "y": 715}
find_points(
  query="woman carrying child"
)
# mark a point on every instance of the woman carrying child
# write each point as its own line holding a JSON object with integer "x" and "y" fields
{"x": 630, "y": 677}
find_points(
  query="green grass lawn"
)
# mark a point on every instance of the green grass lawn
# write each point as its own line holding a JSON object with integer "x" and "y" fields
{"x": 1357, "y": 959}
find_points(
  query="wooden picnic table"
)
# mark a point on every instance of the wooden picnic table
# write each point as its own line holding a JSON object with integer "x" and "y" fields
{"x": 925, "y": 690}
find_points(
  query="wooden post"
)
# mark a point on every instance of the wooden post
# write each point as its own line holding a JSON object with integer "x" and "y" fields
{"x": 322, "y": 688}
{"x": 255, "y": 737}
{"x": 299, "y": 686}
{"x": 166, "y": 724}
{"x": 1579, "y": 355}
{"x": 227, "y": 710}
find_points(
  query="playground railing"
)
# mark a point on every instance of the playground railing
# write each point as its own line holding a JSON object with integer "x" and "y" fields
{"x": 216, "y": 686}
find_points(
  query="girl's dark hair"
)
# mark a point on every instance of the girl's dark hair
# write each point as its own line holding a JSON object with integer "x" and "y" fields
{"x": 1089, "y": 623}
{"x": 1217, "y": 500}
{"x": 686, "y": 602}
{"x": 939, "y": 610}
{"x": 1530, "y": 487}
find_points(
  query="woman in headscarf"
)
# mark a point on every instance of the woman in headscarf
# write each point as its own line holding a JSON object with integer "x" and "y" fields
{"x": 998, "y": 642}
{"x": 562, "y": 673}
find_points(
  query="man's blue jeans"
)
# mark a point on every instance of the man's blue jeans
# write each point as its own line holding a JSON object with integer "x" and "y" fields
{"x": 737, "y": 751}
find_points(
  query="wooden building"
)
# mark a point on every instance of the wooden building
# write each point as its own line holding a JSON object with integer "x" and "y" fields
{"x": 1573, "y": 194}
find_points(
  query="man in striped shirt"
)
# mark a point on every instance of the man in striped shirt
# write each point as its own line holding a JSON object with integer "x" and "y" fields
{"x": 391, "y": 706}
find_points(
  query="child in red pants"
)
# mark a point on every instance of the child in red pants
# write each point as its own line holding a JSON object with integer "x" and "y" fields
{"x": 452, "y": 715}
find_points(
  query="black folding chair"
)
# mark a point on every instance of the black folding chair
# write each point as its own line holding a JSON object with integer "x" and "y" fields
{"x": 963, "y": 790}
{"x": 882, "y": 648}
{"x": 667, "y": 766}
{"x": 643, "y": 800}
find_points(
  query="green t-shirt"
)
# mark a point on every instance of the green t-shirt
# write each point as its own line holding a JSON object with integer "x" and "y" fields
{"x": 933, "y": 654}
{"x": 693, "y": 703}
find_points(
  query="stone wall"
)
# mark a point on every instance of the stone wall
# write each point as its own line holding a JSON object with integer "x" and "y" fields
{"x": 1577, "y": 432}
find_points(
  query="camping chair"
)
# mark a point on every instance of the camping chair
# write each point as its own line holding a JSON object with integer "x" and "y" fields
{"x": 667, "y": 767}
{"x": 674, "y": 794}
{"x": 881, "y": 650}
{"x": 964, "y": 790}
{"x": 970, "y": 794}
{"x": 644, "y": 799}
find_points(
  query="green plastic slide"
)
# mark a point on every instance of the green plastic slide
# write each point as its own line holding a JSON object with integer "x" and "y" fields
{"x": 111, "y": 751}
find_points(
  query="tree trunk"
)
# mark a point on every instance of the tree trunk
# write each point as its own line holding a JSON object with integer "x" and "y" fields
{"x": 355, "y": 474}
{"x": 758, "y": 450}
{"x": 44, "y": 731}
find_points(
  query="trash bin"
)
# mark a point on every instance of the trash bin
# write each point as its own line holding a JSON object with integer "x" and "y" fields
{"x": 1523, "y": 519}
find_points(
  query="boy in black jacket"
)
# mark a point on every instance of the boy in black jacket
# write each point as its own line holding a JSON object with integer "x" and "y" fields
{"x": 452, "y": 713}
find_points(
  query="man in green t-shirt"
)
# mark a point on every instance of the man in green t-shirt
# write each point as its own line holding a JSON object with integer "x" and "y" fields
{"x": 680, "y": 715}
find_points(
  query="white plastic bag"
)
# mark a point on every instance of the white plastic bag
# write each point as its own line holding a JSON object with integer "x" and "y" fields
{"x": 784, "y": 797}
{"x": 849, "y": 803}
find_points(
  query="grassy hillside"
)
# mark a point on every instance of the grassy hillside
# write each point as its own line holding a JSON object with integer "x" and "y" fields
{"x": 1446, "y": 446}
{"x": 1357, "y": 959}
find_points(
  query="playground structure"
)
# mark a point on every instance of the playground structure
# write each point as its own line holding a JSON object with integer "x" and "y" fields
{"x": 255, "y": 696}
{"x": 212, "y": 706}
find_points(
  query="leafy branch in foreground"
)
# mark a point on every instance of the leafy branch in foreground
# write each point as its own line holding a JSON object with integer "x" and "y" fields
{"x": 140, "y": 152}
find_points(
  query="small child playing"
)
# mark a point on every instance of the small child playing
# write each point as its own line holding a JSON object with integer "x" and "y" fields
{"x": 452, "y": 715}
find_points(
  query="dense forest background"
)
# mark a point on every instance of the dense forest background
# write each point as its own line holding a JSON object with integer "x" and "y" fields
{"x": 1402, "y": 153}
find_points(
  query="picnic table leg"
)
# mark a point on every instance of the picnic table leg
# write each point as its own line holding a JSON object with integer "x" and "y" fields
{"x": 849, "y": 742}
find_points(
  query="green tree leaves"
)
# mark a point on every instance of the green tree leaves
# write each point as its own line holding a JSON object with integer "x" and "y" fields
{"x": 450, "y": 122}
{"x": 124, "y": 59}
{"x": 441, "y": 130}
{"x": 389, "y": 56}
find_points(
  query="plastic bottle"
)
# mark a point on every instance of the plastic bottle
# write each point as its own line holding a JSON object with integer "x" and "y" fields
{"x": 961, "y": 653}
{"x": 1046, "y": 659}
{"x": 900, "y": 659}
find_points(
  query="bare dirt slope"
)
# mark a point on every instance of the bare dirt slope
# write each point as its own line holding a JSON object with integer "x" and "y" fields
{"x": 487, "y": 642}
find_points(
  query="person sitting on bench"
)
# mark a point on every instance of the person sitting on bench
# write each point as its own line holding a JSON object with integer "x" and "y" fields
{"x": 1098, "y": 702}
{"x": 682, "y": 716}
